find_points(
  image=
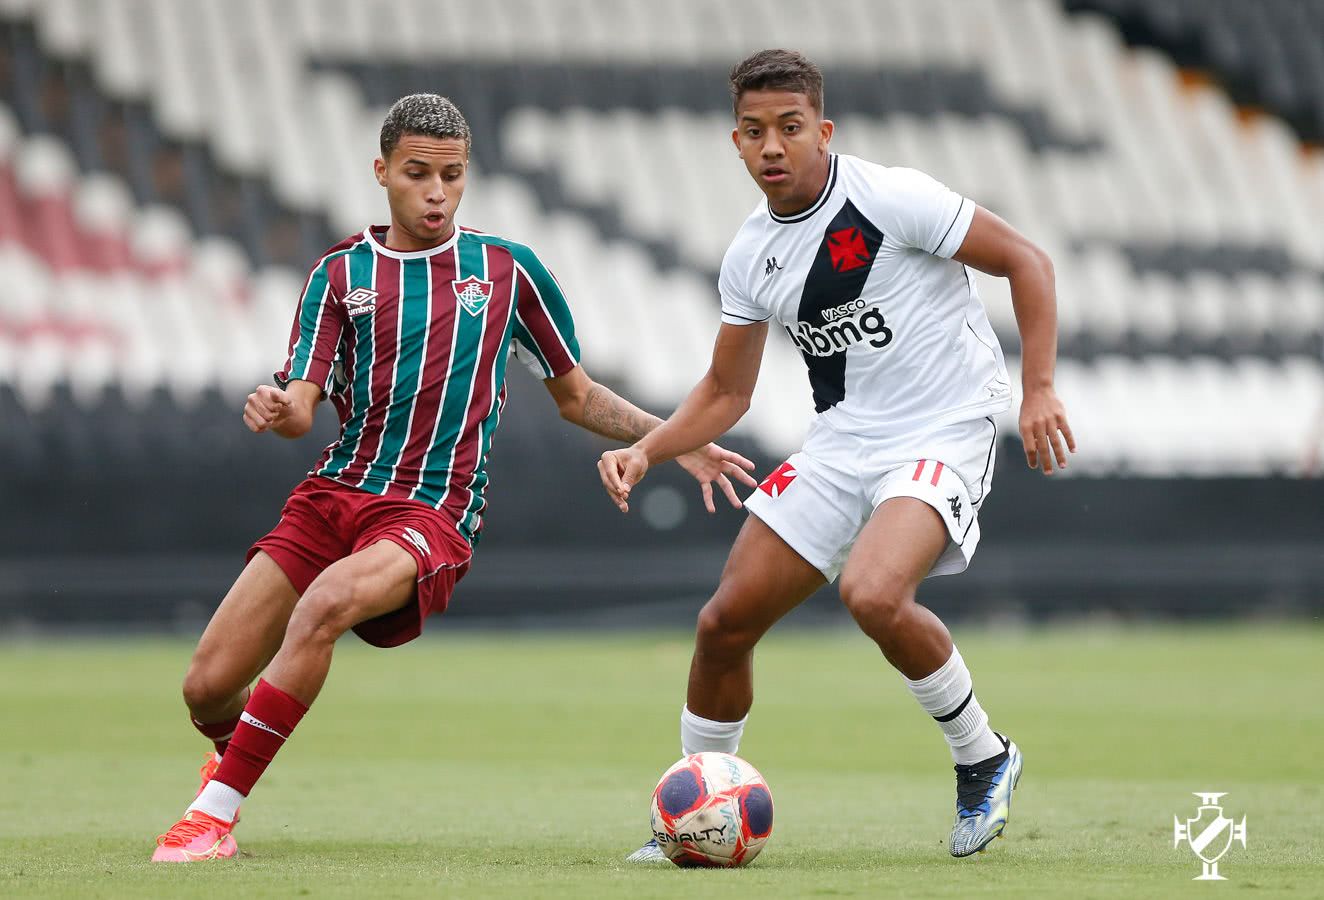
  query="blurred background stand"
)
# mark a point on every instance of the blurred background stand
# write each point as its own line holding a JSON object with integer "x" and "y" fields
{"x": 169, "y": 169}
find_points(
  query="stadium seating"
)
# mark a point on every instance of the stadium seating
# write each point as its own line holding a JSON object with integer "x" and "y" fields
{"x": 187, "y": 161}
{"x": 1266, "y": 54}
{"x": 100, "y": 291}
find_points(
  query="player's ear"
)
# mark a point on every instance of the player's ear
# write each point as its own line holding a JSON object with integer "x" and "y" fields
{"x": 825, "y": 129}
{"x": 379, "y": 169}
{"x": 735, "y": 138}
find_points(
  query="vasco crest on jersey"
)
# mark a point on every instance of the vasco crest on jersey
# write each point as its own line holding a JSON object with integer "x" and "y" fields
{"x": 832, "y": 315}
{"x": 473, "y": 293}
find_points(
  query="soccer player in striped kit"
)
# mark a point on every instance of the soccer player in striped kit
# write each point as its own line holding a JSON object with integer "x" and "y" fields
{"x": 864, "y": 267}
{"x": 407, "y": 328}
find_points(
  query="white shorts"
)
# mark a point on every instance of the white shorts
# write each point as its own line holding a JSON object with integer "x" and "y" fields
{"x": 819, "y": 499}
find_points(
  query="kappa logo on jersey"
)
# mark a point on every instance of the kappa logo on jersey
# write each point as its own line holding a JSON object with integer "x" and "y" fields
{"x": 846, "y": 325}
{"x": 770, "y": 266}
{"x": 955, "y": 501}
{"x": 776, "y": 484}
{"x": 417, "y": 539}
{"x": 360, "y": 301}
{"x": 473, "y": 293}
{"x": 848, "y": 249}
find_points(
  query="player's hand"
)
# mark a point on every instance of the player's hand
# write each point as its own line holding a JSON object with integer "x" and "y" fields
{"x": 266, "y": 406}
{"x": 621, "y": 470}
{"x": 1043, "y": 427}
{"x": 714, "y": 464}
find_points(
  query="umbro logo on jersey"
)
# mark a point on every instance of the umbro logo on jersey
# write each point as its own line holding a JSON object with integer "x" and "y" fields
{"x": 417, "y": 539}
{"x": 848, "y": 250}
{"x": 473, "y": 293}
{"x": 360, "y": 301}
{"x": 776, "y": 484}
{"x": 771, "y": 266}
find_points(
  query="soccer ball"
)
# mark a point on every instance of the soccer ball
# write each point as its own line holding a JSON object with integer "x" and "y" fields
{"x": 712, "y": 809}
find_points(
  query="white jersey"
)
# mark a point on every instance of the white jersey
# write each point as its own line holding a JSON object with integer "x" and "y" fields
{"x": 890, "y": 326}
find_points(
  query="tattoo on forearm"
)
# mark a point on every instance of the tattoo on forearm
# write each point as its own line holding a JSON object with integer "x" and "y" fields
{"x": 610, "y": 416}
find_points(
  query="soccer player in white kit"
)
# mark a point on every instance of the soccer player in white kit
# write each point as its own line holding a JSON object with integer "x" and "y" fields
{"x": 864, "y": 267}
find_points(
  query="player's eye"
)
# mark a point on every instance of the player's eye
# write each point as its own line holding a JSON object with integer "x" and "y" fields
{"x": 751, "y": 132}
{"x": 792, "y": 129}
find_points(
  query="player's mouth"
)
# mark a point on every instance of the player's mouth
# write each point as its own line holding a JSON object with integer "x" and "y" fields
{"x": 434, "y": 219}
{"x": 774, "y": 174}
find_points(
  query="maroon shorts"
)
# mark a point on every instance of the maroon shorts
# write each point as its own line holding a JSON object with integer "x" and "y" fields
{"x": 324, "y": 521}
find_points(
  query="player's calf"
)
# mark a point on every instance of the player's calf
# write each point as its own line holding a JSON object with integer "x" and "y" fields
{"x": 214, "y": 716}
{"x": 204, "y": 831}
{"x": 721, "y": 672}
{"x": 912, "y": 638}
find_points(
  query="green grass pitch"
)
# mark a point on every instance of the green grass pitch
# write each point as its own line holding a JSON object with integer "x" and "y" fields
{"x": 494, "y": 765}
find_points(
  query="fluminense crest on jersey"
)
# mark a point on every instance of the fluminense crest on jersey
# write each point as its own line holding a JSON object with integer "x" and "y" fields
{"x": 473, "y": 293}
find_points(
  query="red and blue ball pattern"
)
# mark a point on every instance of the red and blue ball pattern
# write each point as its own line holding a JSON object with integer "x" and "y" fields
{"x": 712, "y": 809}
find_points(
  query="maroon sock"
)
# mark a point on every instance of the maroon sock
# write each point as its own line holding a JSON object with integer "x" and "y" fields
{"x": 219, "y": 733}
{"x": 267, "y": 720}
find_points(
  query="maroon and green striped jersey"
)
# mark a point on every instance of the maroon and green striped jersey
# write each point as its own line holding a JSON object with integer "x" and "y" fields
{"x": 412, "y": 349}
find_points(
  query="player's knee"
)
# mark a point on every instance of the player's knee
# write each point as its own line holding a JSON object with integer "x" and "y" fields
{"x": 722, "y": 634}
{"x": 325, "y": 612}
{"x": 875, "y": 601}
{"x": 204, "y": 690}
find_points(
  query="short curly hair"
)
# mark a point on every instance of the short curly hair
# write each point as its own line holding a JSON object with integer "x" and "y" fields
{"x": 777, "y": 70}
{"x": 429, "y": 115}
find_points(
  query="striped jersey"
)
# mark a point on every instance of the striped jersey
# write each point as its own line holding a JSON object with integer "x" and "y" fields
{"x": 890, "y": 327}
{"x": 412, "y": 348}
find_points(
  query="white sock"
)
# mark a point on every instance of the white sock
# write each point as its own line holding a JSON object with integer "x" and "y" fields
{"x": 949, "y": 697}
{"x": 219, "y": 800}
{"x": 698, "y": 734}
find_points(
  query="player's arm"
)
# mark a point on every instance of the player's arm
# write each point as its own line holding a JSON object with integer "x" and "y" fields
{"x": 715, "y": 404}
{"x": 584, "y": 402}
{"x": 319, "y": 321}
{"x": 592, "y": 406}
{"x": 994, "y": 247}
{"x": 289, "y": 413}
